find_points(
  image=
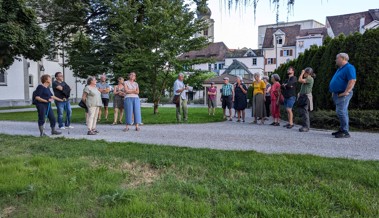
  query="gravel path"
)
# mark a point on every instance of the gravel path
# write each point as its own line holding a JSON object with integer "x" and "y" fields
{"x": 226, "y": 136}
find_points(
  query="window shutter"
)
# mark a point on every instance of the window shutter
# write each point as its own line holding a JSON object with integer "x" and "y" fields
{"x": 274, "y": 60}
{"x": 281, "y": 53}
{"x": 291, "y": 52}
{"x": 265, "y": 61}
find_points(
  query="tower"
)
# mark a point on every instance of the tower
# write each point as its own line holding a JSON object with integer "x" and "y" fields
{"x": 205, "y": 13}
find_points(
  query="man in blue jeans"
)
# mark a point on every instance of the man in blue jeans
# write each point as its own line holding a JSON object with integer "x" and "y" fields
{"x": 341, "y": 86}
{"x": 289, "y": 94}
{"x": 62, "y": 91}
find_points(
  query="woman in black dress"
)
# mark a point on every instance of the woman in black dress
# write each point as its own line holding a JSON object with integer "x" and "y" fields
{"x": 240, "y": 99}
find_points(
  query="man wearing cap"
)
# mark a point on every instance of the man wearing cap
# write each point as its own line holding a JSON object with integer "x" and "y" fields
{"x": 227, "y": 97}
{"x": 212, "y": 92}
{"x": 104, "y": 89}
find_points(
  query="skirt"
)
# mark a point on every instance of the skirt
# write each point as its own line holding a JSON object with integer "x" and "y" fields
{"x": 259, "y": 106}
{"x": 118, "y": 102}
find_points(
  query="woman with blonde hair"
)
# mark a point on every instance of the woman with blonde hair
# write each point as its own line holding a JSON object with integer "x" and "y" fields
{"x": 132, "y": 103}
{"x": 259, "y": 88}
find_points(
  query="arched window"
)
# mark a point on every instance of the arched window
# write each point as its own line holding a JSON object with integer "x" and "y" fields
{"x": 3, "y": 78}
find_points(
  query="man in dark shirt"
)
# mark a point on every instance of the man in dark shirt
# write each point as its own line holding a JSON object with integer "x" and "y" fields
{"x": 62, "y": 91}
{"x": 341, "y": 86}
{"x": 289, "y": 94}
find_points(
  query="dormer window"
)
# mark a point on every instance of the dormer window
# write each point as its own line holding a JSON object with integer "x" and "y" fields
{"x": 279, "y": 41}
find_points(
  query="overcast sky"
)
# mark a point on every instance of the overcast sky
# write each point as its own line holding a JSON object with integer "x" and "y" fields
{"x": 236, "y": 28}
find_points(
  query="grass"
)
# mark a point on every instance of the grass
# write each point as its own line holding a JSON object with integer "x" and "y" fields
{"x": 165, "y": 116}
{"x": 45, "y": 177}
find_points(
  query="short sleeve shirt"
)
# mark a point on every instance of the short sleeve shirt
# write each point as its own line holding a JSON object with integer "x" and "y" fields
{"x": 227, "y": 89}
{"x": 213, "y": 90}
{"x": 131, "y": 86}
{"x": 93, "y": 97}
{"x": 306, "y": 88}
{"x": 259, "y": 87}
{"x": 103, "y": 86}
{"x": 44, "y": 93}
{"x": 179, "y": 85}
{"x": 342, "y": 77}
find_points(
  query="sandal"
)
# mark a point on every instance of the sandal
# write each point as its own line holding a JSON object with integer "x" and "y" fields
{"x": 114, "y": 123}
{"x": 138, "y": 129}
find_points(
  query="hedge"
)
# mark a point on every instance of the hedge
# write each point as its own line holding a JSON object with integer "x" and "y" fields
{"x": 364, "y": 55}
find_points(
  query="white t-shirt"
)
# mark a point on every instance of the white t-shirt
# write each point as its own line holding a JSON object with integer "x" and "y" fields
{"x": 131, "y": 86}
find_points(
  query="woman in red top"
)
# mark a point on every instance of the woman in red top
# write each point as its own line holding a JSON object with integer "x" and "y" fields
{"x": 275, "y": 98}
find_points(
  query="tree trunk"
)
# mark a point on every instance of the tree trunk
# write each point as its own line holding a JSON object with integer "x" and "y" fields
{"x": 156, "y": 105}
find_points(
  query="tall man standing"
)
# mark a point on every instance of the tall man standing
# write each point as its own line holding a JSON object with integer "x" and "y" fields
{"x": 180, "y": 91}
{"x": 227, "y": 97}
{"x": 62, "y": 91}
{"x": 341, "y": 86}
{"x": 104, "y": 89}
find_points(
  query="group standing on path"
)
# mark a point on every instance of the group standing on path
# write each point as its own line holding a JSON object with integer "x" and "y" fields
{"x": 267, "y": 99}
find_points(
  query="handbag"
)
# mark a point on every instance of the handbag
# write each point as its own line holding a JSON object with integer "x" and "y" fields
{"x": 302, "y": 100}
{"x": 176, "y": 100}
{"x": 82, "y": 104}
{"x": 281, "y": 99}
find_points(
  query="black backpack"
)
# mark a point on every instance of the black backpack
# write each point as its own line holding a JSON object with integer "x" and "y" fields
{"x": 34, "y": 95}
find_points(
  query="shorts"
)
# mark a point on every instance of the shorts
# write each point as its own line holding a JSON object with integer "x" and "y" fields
{"x": 227, "y": 101}
{"x": 289, "y": 102}
{"x": 105, "y": 101}
{"x": 211, "y": 103}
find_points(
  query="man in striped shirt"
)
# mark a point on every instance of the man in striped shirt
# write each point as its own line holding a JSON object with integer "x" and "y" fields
{"x": 227, "y": 97}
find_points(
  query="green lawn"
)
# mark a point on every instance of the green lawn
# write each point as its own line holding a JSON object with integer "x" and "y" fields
{"x": 165, "y": 116}
{"x": 44, "y": 177}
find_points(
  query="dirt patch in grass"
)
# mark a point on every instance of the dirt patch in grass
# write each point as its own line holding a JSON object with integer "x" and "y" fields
{"x": 141, "y": 174}
{"x": 7, "y": 212}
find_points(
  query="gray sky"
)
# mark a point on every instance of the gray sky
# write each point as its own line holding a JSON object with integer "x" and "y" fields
{"x": 236, "y": 28}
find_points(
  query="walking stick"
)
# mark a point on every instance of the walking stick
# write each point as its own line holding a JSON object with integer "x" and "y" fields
{"x": 46, "y": 115}
{"x": 66, "y": 108}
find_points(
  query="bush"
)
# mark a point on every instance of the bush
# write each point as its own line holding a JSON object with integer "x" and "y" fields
{"x": 367, "y": 120}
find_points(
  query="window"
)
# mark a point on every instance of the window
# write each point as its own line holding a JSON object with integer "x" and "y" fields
{"x": 271, "y": 61}
{"x": 205, "y": 32}
{"x": 30, "y": 80}
{"x": 254, "y": 61}
{"x": 279, "y": 41}
{"x": 220, "y": 66}
{"x": 286, "y": 53}
{"x": 215, "y": 66}
{"x": 3, "y": 78}
{"x": 301, "y": 44}
{"x": 209, "y": 67}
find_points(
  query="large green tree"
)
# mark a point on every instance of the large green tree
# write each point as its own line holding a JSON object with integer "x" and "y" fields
{"x": 20, "y": 34}
{"x": 153, "y": 34}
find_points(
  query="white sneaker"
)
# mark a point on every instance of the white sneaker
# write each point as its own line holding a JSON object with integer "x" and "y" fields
{"x": 69, "y": 127}
{"x": 62, "y": 128}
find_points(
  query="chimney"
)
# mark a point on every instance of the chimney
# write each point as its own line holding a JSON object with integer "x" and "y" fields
{"x": 362, "y": 25}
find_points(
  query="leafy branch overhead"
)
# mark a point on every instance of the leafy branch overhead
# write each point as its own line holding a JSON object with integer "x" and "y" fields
{"x": 20, "y": 34}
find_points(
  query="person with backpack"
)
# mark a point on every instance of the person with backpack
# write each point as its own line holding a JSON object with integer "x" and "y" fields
{"x": 62, "y": 91}
{"x": 42, "y": 98}
{"x": 305, "y": 98}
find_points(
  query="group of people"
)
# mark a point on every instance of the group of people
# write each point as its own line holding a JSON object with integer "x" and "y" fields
{"x": 267, "y": 97}
{"x": 95, "y": 96}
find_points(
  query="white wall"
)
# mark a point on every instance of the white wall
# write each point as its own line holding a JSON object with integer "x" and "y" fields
{"x": 308, "y": 42}
{"x": 14, "y": 90}
{"x": 270, "y": 53}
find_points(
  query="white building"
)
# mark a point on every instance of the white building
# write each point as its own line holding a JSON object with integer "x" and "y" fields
{"x": 350, "y": 23}
{"x": 309, "y": 37}
{"x": 244, "y": 62}
{"x": 304, "y": 24}
{"x": 22, "y": 78}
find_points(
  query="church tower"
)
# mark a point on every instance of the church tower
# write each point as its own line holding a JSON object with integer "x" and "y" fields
{"x": 205, "y": 13}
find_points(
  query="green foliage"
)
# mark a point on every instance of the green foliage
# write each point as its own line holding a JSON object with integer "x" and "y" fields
{"x": 20, "y": 34}
{"x": 364, "y": 55}
{"x": 197, "y": 78}
{"x": 57, "y": 177}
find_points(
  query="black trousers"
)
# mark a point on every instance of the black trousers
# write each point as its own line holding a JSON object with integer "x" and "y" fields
{"x": 268, "y": 106}
{"x": 304, "y": 113}
{"x": 43, "y": 109}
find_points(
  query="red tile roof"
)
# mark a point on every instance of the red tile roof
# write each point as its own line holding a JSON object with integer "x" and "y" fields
{"x": 290, "y": 38}
{"x": 216, "y": 51}
{"x": 349, "y": 23}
